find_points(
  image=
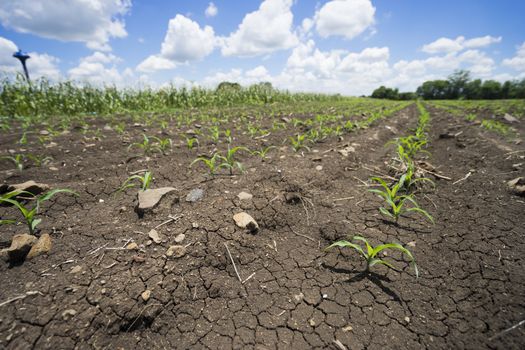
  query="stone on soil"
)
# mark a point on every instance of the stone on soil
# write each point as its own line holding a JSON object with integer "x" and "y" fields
{"x": 244, "y": 220}
{"x": 244, "y": 196}
{"x": 20, "y": 245}
{"x": 509, "y": 118}
{"x": 42, "y": 246}
{"x": 146, "y": 295}
{"x": 517, "y": 186}
{"x": 195, "y": 195}
{"x": 154, "y": 235}
{"x": 180, "y": 237}
{"x": 176, "y": 251}
{"x": 28, "y": 186}
{"x": 149, "y": 199}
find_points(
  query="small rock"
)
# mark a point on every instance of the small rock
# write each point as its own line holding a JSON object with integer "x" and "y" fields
{"x": 76, "y": 269}
{"x": 132, "y": 246}
{"x": 244, "y": 220}
{"x": 179, "y": 238}
{"x": 311, "y": 322}
{"x": 42, "y": 246}
{"x": 319, "y": 168}
{"x": 44, "y": 132}
{"x": 346, "y": 150}
{"x": 299, "y": 297}
{"x": 28, "y": 186}
{"x": 407, "y": 319}
{"x": 195, "y": 224}
{"x": 53, "y": 168}
{"x": 244, "y": 196}
{"x": 138, "y": 259}
{"x": 411, "y": 244}
{"x": 107, "y": 128}
{"x": 68, "y": 314}
{"x": 195, "y": 195}
{"x": 508, "y": 118}
{"x": 146, "y": 295}
{"x": 176, "y": 251}
{"x": 154, "y": 235}
{"x": 348, "y": 328}
{"x": 20, "y": 245}
{"x": 149, "y": 199}
{"x": 517, "y": 186}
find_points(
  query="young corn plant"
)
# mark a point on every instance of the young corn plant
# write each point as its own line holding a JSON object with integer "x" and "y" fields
{"x": 211, "y": 162}
{"x": 396, "y": 202}
{"x": 144, "y": 181}
{"x": 191, "y": 142}
{"x": 228, "y": 136}
{"x": 163, "y": 144}
{"x": 146, "y": 145}
{"x": 30, "y": 213}
{"x": 230, "y": 162}
{"x": 372, "y": 253}
{"x": 39, "y": 160}
{"x": 17, "y": 160}
{"x": 262, "y": 152}
{"x": 299, "y": 142}
{"x": 215, "y": 133}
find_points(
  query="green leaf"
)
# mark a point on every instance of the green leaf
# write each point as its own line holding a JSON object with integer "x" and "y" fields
{"x": 369, "y": 248}
{"x": 424, "y": 212}
{"x": 343, "y": 244}
{"x": 51, "y": 193}
{"x": 373, "y": 262}
{"x": 386, "y": 212}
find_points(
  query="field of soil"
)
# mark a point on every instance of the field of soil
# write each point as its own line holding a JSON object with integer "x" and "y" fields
{"x": 96, "y": 289}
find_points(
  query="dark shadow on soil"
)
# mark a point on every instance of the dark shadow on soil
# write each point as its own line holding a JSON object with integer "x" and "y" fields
{"x": 371, "y": 276}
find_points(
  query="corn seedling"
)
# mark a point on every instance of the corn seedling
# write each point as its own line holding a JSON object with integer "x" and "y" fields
{"x": 144, "y": 180}
{"x": 214, "y": 133}
{"x": 396, "y": 202}
{"x": 30, "y": 213}
{"x": 191, "y": 142}
{"x": 262, "y": 152}
{"x": 163, "y": 144}
{"x": 371, "y": 254}
{"x": 17, "y": 160}
{"x": 39, "y": 160}
{"x": 228, "y": 136}
{"x": 230, "y": 162}
{"x": 298, "y": 142}
{"x": 210, "y": 162}
{"x": 146, "y": 145}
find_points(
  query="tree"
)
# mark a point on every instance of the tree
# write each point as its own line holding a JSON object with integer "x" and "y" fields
{"x": 490, "y": 89}
{"x": 457, "y": 83}
{"x": 472, "y": 90}
{"x": 384, "y": 92}
{"x": 228, "y": 86}
{"x": 434, "y": 90}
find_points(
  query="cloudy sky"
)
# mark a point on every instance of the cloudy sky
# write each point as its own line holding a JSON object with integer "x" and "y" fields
{"x": 340, "y": 46}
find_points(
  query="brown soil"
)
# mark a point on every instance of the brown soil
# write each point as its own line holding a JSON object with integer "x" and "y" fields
{"x": 472, "y": 271}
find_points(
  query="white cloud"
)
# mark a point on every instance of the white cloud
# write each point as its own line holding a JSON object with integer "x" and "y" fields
{"x": 447, "y": 45}
{"x": 93, "y": 22}
{"x": 39, "y": 65}
{"x": 185, "y": 41}
{"x": 98, "y": 69}
{"x": 347, "y": 18}
{"x": 263, "y": 31}
{"x": 154, "y": 63}
{"x": 211, "y": 10}
{"x": 237, "y": 75}
{"x": 518, "y": 61}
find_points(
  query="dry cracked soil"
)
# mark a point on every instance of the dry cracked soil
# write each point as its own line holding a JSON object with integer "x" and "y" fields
{"x": 91, "y": 291}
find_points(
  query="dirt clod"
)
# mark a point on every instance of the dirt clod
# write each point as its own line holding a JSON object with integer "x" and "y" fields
{"x": 244, "y": 220}
{"x": 42, "y": 246}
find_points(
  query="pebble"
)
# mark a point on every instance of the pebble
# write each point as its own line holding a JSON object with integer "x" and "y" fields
{"x": 68, "y": 314}
{"x": 146, "y": 295}
{"x": 154, "y": 235}
{"x": 76, "y": 269}
{"x": 319, "y": 168}
{"x": 179, "y": 238}
{"x": 244, "y": 196}
{"x": 132, "y": 246}
{"x": 244, "y": 220}
{"x": 195, "y": 195}
{"x": 176, "y": 251}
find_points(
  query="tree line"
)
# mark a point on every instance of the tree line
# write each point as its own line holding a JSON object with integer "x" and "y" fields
{"x": 458, "y": 85}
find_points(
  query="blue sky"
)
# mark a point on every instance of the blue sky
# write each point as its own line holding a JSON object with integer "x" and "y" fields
{"x": 336, "y": 46}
